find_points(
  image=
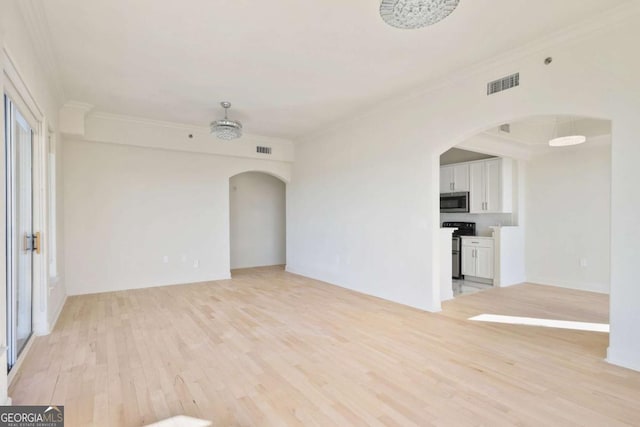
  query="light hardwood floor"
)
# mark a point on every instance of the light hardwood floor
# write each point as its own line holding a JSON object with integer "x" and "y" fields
{"x": 269, "y": 348}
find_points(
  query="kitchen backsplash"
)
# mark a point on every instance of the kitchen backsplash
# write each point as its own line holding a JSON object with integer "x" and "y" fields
{"x": 483, "y": 221}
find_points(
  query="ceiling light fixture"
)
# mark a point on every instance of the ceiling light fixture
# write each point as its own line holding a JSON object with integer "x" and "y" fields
{"x": 569, "y": 138}
{"x": 564, "y": 141}
{"x": 411, "y": 14}
{"x": 226, "y": 129}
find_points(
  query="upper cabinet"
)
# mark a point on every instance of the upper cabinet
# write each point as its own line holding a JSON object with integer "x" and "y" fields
{"x": 454, "y": 178}
{"x": 489, "y": 183}
{"x": 491, "y": 186}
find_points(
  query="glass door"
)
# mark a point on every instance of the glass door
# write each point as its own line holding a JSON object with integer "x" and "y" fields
{"x": 21, "y": 241}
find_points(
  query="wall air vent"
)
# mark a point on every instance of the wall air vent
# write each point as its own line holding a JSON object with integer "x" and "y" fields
{"x": 503, "y": 84}
{"x": 263, "y": 150}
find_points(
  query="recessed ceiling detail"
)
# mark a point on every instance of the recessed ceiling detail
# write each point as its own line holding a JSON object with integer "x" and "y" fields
{"x": 570, "y": 136}
{"x": 539, "y": 131}
{"x": 411, "y": 14}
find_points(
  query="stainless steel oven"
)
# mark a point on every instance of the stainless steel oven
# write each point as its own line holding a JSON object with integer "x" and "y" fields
{"x": 454, "y": 202}
{"x": 461, "y": 229}
{"x": 456, "y": 264}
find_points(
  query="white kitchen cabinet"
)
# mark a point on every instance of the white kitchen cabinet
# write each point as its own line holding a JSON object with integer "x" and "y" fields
{"x": 468, "y": 261}
{"x": 484, "y": 262}
{"x": 478, "y": 257}
{"x": 478, "y": 190}
{"x": 491, "y": 186}
{"x": 454, "y": 178}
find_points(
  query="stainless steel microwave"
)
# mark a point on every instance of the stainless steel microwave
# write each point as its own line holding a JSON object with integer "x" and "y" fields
{"x": 454, "y": 202}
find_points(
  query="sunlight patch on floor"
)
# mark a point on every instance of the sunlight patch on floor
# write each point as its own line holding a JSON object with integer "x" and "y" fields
{"x": 181, "y": 421}
{"x": 547, "y": 323}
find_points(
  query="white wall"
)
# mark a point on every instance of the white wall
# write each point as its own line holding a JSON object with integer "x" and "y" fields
{"x": 127, "y": 207}
{"x": 510, "y": 265}
{"x": 20, "y": 58}
{"x": 257, "y": 214}
{"x": 568, "y": 202}
{"x": 377, "y": 175}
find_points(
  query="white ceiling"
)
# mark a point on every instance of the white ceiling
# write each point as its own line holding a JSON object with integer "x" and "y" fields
{"x": 288, "y": 66}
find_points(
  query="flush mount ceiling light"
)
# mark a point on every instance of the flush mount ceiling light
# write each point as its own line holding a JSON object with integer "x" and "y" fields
{"x": 410, "y": 14}
{"x": 226, "y": 129}
{"x": 569, "y": 138}
{"x": 564, "y": 141}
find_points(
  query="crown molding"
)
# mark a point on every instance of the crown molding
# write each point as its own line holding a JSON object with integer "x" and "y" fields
{"x": 14, "y": 76}
{"x": 602, "y": 23}
{"x": 180, "y": 126}
{"x": 38, "y": 28}
{"x": 77, "y": 105}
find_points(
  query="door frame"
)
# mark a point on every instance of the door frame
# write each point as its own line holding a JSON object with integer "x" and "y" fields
{"x": 12, "y": 85}
{"x": 14, "y": 240}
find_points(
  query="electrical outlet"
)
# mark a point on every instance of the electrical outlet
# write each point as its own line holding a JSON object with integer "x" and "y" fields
{"x": 196, "y": 263}
{"x": 583, "y": 262}
{"x": 165, "y": 259}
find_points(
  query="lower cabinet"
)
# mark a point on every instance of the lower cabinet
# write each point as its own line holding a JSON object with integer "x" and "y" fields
{"x": 478, "y": 257}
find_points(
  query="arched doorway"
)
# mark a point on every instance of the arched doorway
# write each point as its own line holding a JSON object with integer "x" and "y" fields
{"x": 257, "y": 220}
{"x": 556, "y": 207}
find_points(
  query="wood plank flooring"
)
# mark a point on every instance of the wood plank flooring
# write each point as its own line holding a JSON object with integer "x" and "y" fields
{"x": 269, "y": 348}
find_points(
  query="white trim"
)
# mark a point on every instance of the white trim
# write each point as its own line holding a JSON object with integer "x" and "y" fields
{"x": 13, "y": 373}
{"x": 434, "y": 308}
{"x": 180, "y": 126}
{"x": 40, "y": 261}
{"x": 629, "y": 361}
{"x": 153, "y": 286}
{"x": 596, "y": 287}
{"x": 77, "y": 105}
{"x": 14, "y": 78}
{"x": 52, "y": 325}
{"x": 18, "y": 91}
{"x": 51, "y": 211}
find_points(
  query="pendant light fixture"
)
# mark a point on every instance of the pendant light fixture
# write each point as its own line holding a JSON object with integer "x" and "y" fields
{"x": 226, "y": 129}
{"x": 566, "y": 138}
{"x": 411, "y": 14}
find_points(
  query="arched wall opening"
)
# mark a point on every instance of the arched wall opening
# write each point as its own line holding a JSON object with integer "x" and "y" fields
{"x": 395, "y": 150}
{"x": 257, "y": 220}
{"x": 554, "y": 225}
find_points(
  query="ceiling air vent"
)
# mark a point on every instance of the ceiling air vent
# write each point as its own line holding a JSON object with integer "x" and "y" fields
{"x": 503, "y": 84}
{"x": 263, "y": 150}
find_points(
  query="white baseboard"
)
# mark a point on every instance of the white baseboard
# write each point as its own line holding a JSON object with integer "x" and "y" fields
{"x": 629, "y": 361}
{"x": 482, "y": 280}
{"x": 601, "y": 288}
{"x": 52, "y": 325}
{"x": 223, "y": 276}
{"x": 23, "y": 355}
{"x": 293, "y": 270}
